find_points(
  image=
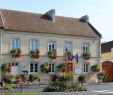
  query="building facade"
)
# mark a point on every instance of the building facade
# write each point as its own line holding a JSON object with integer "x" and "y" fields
{"x": 107, "y": 60}
{"x": 45, "y": 32}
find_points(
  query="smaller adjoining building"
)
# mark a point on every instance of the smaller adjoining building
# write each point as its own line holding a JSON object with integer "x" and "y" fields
{"x": 107, "y": 60}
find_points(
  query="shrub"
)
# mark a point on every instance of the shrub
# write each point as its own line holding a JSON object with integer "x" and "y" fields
{"x": 81, "y": 79}
{"x": 55, "y": 86}
{"x": 8, "y": 78}
{"x": 95, "y": 68}
{"x": 69, "y": 76}
{"x": 24, "y": 77}
{"x": 72, "y": 86}
{"x": 5, "y": 67}
{"x": 101, "y": 76}
{"x": 61, "y": 67}
{"x": 33, "y": 77}
{"x": 53, "y": 77}
{"x": 44, "y": 68}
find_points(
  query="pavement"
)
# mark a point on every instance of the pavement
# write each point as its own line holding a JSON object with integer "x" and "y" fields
{"x": 93, "y": 89}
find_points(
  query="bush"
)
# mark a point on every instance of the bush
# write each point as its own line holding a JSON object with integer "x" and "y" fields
{"x": 55, "y": 86}
{"x": 44, "y": 68}
{"x": 69, "y": 76}
{"x": 61, "y": 67}
{"x": 24, "y": 77}
{"x": 95, "y": 68}
{"x": 81, "y": 79}
{"x": 101, "y": 76}
{"x": 8, "y": 79}
{"x": 5, "y": 67}
{"x": 33, "y": 77}
{"x": 72, "y": 86}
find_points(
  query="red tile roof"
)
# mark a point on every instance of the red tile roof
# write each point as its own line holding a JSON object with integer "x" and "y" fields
{"x": 32, "y": 22}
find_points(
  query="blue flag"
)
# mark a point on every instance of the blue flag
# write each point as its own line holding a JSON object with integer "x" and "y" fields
{"x": 76, "y": 57}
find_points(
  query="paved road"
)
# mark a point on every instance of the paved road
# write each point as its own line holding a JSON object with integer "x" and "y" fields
{"x": 93, "y": 89}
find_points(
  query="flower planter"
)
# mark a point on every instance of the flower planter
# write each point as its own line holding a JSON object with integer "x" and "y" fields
{"x": 15, "y": 53}
{"x": 69, "y": 55}
{"x": 86, "y": 55}
{"x": 35, "y": 53}
{"x": 52, "y": 54}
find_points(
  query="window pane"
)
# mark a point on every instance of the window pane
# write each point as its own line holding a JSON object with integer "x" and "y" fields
{"x": 51, "y": 45}
{"x": 15, "y": 43}
{"x": 68, "y": 46}
{"x": 34, "y": 44}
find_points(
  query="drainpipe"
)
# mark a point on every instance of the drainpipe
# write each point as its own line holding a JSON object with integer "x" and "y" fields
{"x": 0, "y": 51}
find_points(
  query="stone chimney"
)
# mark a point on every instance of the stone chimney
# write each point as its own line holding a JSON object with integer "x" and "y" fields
{"x": 85, "y": 18}
{"x": 51, "y": 15}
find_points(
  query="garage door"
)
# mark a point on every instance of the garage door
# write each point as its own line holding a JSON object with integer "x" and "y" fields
{"x": 107, "y": 67}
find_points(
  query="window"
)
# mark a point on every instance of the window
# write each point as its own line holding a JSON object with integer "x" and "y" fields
{"x": 51, "y": 45}
{"x": 14, "y": 68}
{"x": 33, "y": 67}
{"x": 86, "y": 47}
{"x": 86, "y": 68}
{"x": 68, "y": 46}
{"x": 52, "y": 67}
{"x": 15, "y": 43}
{"x": 34, "y": 44}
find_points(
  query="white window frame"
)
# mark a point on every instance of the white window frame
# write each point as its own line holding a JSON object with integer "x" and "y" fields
{"x": 51, "y": 68}
{"x": 36, "y": 44}
{"x": 34, "y": 68}
{"x": 67, "y": 43}
{"x": 14, "y": 65}
{"x": 86, "y": 47}
{"x": 86, "y": 68}
{"x": 50, "y": 43}
{"x": 15, "y": 43}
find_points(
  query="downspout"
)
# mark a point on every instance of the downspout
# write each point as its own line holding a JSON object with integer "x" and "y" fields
{"x": 0, "y": 52}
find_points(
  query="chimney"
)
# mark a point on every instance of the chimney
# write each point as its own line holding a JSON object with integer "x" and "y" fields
{"x": 84, "y": 18}
{"x": 50, "y": 15}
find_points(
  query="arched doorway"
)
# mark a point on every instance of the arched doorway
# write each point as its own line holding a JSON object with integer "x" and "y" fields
{"x": 107, "y": 67}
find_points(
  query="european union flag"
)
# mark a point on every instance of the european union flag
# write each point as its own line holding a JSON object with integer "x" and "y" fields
{"x": 76, "y": 57}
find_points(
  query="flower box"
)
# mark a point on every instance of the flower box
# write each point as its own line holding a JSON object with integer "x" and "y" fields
{"x": 52, "y": 54}
{"x": 86, "y": 55}
{"x": 35, "y": 53}
{"x": 16, "y": 53}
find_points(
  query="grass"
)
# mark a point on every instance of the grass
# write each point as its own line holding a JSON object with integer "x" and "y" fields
{"x": 20, "y": 93}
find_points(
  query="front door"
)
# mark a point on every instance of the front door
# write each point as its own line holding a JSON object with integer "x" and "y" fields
{"x": 107, "y": 67}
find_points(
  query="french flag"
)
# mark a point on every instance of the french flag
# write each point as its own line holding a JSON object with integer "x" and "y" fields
{"x": 76, "y": 57}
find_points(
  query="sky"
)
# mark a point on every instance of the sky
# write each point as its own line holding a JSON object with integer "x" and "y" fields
{"x": 100, "y": 12}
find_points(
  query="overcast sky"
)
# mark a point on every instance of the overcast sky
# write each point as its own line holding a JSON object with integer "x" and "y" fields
{"x": 100, "y": 12}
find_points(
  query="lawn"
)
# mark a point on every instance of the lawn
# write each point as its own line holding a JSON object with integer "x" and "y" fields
{"x": 20, "y": 93}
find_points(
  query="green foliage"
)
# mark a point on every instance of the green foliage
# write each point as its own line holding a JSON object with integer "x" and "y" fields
{"x": 34, "y": 53}
{"x": 44, "y": 68}
{"x": 52, "y": 54}
{"x": 72, "y": 86}
{"x": 69, "y": 55}
{"x": 24, "y": 77}
{"x": 15, "y": 52}
{"x": 101, "y": 76}
{"x": 5, "y": 67}
{"x": 8, "y": 78}
{"x": 81, "y": 79}
{"x": 86, "y": 55}
{"x": 95, "y": 68}
{"x": 33, "y": 77}
{"x": 61, "y": 67}
{"x": 61, "y": 84}
{"x": 69, "y": 76}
